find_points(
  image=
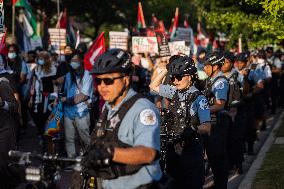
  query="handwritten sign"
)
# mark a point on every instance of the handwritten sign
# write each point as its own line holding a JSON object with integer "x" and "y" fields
{"x": 57, "y": 39}
{"x": 118, "y": 40}
{"x": 178, "y": 47}
{"x": 145, "y": 44}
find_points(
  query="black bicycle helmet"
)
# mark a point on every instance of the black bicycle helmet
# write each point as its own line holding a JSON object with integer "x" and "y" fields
{"x": 243, "y": 57}
{"x": 215, "y": 59}
{"x": 114, "y": 60}
{"x": 229, "y": 56}
{"x": 180, "y": 65}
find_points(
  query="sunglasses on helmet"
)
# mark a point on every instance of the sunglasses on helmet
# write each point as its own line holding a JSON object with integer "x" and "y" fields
{"x": 107, "y": 81}
{"x": 178, "y": 77}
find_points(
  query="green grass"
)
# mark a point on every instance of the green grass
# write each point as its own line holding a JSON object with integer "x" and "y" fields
{"x": 271, "y": 173}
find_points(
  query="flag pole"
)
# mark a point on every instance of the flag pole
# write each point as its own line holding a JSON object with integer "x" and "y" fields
{"x": 13, "y": 20}
{"x": 58, "y": 14}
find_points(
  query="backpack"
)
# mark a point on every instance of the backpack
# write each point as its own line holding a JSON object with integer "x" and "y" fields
{"x": 234, "y": 94}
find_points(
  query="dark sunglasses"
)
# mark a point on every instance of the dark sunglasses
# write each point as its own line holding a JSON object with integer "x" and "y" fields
{"x": 178, "y": 77}
{"x": 107, "y": 81}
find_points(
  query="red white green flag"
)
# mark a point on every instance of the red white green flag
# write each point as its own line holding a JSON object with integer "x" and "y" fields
{"x": 175, "y": 25}
{"x": 140, "y": 17}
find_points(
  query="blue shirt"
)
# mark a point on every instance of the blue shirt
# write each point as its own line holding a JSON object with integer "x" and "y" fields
{"x": 199, "y": 106}
{"x": 220, "y": 88}
{"x": 136, "y": 129}
{"x": 86, "y": 87}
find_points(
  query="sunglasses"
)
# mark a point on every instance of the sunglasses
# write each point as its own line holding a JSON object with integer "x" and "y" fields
{"x": 107, "y": 81}
{"x": 178, "y": 77}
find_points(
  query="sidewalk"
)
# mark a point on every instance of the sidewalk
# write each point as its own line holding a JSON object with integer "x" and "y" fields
{"x": 267, "y": 170}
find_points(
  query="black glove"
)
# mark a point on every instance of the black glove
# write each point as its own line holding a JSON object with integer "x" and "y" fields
{"x": 97, "y": 156}
{"x": 189, "y": 133}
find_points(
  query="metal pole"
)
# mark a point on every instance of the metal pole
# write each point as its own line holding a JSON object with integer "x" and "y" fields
{"x": 13, "y": 20}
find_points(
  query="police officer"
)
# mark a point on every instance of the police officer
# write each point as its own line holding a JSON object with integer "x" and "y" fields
{"x": 190, "y": 118}
{"x": 216, "y": 91}
{"x": 275, "y": 65}
{"x": 125, "y": 143}
{"x": 249, "y": 81}
{"x": 236, "y": 129}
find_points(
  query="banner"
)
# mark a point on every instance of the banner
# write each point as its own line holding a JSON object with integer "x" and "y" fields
{"x": 2, "y": 27}
{"x": 118, "y": 40}
{"x": 178, "y": 47}
{"x": 57, "y": 39}
{"x": 145, "y": 44}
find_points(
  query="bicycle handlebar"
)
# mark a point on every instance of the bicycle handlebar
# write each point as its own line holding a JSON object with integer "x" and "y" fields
{"x": 45, "y": 157}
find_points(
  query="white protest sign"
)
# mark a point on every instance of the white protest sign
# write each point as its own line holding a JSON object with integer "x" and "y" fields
{"x": 145, "y": 44}
{"x": 178, "y": 47}
{"x": 36, "y": 42}
{"x": 118, "y": 40}
{"x": 57, "y": 39}
{"x": 2, "y": 27}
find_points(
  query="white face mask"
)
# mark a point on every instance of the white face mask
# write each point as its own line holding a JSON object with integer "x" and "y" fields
{"x": 12, "y": 55}
{"x": 144, "y": 63}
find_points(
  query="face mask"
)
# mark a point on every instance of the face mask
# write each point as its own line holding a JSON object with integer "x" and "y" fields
{"x": 40, "y": 62}
{"x": 12, "y": 55}
{"x": 75, "y": 65}
{"x": 144, "y": 63}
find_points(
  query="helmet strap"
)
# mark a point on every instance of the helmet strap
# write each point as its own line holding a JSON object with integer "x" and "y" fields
{"x": 124, "y": 88}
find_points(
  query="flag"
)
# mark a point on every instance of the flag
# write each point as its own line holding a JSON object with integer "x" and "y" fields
{"x": 62, "y": 20}
{"x": 97, "y": 48}
{"x": 140, "y": 17}
{"x": 14, "y": 2}
{"x": 3, "y": 49}
{"x": 29, "y": 14}
{"x": 77, "y": 39}
{"x": 175, "y": 25}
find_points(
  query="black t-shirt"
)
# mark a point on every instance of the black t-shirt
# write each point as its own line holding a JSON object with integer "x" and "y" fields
{"x": 12, "y": 81}
{"x": 62, "y": 69}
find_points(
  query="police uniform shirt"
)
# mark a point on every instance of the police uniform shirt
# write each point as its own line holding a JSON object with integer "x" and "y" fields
{"x": 263, "y": 69}
{"x": 139, "y": 127}
{"x": 275, "y": 62}
{"x": 220, "y": 88}
{"x": 199, "y": 106}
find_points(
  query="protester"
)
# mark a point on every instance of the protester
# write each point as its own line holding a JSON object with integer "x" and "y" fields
{"x": 41, "y": 88}
{"x": 8, "y": 108}
{"x": 78, "y": 92}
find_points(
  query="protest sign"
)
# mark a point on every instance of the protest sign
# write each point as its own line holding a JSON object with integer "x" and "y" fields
{"x": 145, "y": 44}
{"x": 57, "y": 39}
{"x": 164, "y": 49}
{"x": 118, "y": 40}
{"x": 2, "y": 27}
{"x": 36, "y": 42}
{"x": 178, "y": 47}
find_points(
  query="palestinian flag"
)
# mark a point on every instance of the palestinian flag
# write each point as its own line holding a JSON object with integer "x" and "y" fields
{"x": 140, "y": 17}
{"x": 175, "y": 25}
{"x": 29, "y": 14}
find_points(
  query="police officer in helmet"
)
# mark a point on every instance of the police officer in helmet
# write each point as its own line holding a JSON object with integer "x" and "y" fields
{"x": 125, "y": 142}
{"x": 190, "y": 118}
{"x": 216, "y": 91}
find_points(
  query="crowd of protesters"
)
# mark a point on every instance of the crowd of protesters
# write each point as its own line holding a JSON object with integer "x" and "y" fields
{"x": 32, "y": 83}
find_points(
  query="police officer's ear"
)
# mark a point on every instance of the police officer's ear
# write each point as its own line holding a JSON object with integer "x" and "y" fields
{"x": 126, "y": 80}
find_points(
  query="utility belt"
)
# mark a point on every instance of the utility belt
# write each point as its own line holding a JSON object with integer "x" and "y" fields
{"x": 219, "y": 117}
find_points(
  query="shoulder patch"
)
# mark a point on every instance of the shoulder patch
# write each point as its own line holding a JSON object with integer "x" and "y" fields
{"x": 148, "y": 117}
{"x": 203, "y": 104}
{"x": 219, "y": 84}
